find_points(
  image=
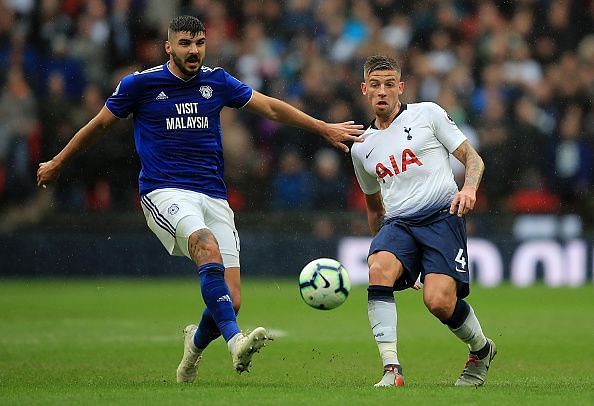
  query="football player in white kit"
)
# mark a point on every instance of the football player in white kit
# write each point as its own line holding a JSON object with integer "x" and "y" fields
{"x": 415, "y": 214}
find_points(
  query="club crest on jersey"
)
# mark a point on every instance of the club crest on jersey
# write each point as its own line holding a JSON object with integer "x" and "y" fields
{"x": 174, "y": 208}
{"x": 407, "y": 131}
{"x": 408, "y": 158}
{"x": 206, "y": 91}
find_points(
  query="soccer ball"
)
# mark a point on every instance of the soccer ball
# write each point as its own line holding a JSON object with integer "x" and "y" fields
{"x": 324, "y": 283}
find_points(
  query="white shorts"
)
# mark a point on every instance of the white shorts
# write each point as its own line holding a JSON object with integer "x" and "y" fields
{"x": 174, "y": 214}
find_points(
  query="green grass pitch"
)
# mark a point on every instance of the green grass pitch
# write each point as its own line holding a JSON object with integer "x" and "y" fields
{"x": 119, "y": 342}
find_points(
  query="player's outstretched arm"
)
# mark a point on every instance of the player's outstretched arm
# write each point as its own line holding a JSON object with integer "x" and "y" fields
{"x": 277, "y": 110}
{"x": 466, "y": 198}
{"x": 85, "y": 137}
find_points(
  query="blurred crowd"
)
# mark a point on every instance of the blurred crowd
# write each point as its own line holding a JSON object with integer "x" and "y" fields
{"x": 516, "y": 76}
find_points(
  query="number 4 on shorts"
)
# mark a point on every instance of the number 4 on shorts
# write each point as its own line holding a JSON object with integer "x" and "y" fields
{"x": 461, "y": 260}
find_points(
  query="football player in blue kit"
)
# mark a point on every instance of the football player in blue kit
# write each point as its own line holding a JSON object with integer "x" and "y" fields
{"x": 415, "y": 213}
{"x": 177, "y": 132}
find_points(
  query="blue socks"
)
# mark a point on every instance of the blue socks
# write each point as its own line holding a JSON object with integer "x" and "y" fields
{"x": 219, "y": 316}
{"x": 207, "y": 330}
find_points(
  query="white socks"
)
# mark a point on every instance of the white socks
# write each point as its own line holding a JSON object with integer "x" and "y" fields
{"x": 383, "y": 320}
{"x": 232, "y": 341}
{"x": 470, "y": 332}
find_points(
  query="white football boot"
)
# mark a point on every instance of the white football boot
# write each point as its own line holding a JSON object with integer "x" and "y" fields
{"x": 392, "y": 377}
{"x": 246, "y": 345}
{"x": 475, "y": 370}
{"x": 188, "y": 367}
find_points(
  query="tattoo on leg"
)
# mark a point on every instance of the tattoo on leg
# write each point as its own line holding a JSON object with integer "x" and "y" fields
{"x": 199, "y": 244}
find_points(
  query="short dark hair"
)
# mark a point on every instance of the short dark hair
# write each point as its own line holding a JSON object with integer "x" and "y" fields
{"x": 380, "y": 62}
{"x": 186, "y": 24}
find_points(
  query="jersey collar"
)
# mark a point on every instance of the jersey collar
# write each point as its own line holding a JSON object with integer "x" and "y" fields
{"x": 402, "y": 108}
{"x": 177, "y": 77}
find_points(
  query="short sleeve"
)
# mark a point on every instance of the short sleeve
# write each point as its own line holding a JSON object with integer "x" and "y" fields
{"x": 238, "y": 94}
{"x": 123, "y": 100}
{"x": 367, "y": 182}
{"x": 446, "y": 131}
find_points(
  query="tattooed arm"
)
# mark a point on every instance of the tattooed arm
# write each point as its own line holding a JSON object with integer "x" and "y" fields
{"x": 375, "y": 211}
{"x": 466, "y": 198}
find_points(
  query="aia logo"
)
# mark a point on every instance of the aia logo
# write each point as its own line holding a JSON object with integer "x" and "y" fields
{"x": 407, "y": 131}
{"x": 408, "y": 158}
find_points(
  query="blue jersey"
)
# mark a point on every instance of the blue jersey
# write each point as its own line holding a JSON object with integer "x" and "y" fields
{"x": 177, "y": 128}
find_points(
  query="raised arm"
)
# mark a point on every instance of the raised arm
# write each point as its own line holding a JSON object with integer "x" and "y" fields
{"x": 84, "y": 138}
{"x": 474, "y": 168}
{"x": 278, "y": 110}
{"x": 375, "y": 212}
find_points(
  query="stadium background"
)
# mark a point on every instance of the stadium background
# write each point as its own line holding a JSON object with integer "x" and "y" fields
{"x": 517, "y": 77}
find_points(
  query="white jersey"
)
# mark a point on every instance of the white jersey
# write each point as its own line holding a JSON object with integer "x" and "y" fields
{"x": 409, "y": 161}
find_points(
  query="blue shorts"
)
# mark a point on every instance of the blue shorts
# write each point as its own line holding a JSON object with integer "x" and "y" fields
{"x": 436, "y": 247}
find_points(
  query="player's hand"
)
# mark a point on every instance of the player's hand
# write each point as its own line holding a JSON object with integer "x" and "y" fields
{"x": 338, "y": 133}
{"x": 47, "y": 173}
{"x": 463, "y": 201}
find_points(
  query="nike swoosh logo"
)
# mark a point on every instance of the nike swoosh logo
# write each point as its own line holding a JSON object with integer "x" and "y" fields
{"x": 327, "y": 284}
{"x": 460, "y": 270}
{"x": 369, "y": 153}
{"x": 374, "y": 326}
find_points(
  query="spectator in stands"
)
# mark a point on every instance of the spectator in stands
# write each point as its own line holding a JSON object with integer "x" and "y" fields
{"x": 330, "y": 185}
{"x": 495, "y": 150}
{"x": 534, "y": 58}
{"x": 572, "y": 162}
{"x": 17, "y": 123}
{"x": 292, "y": 184}
{"x": 527, "y": 141}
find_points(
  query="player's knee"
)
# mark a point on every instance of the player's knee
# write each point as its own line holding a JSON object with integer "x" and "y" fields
{"x": 383, "y": 269}
{"x": 440, "y": 305}
{"x": 376, "y": 270}
{"x": 203, "y": 247}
